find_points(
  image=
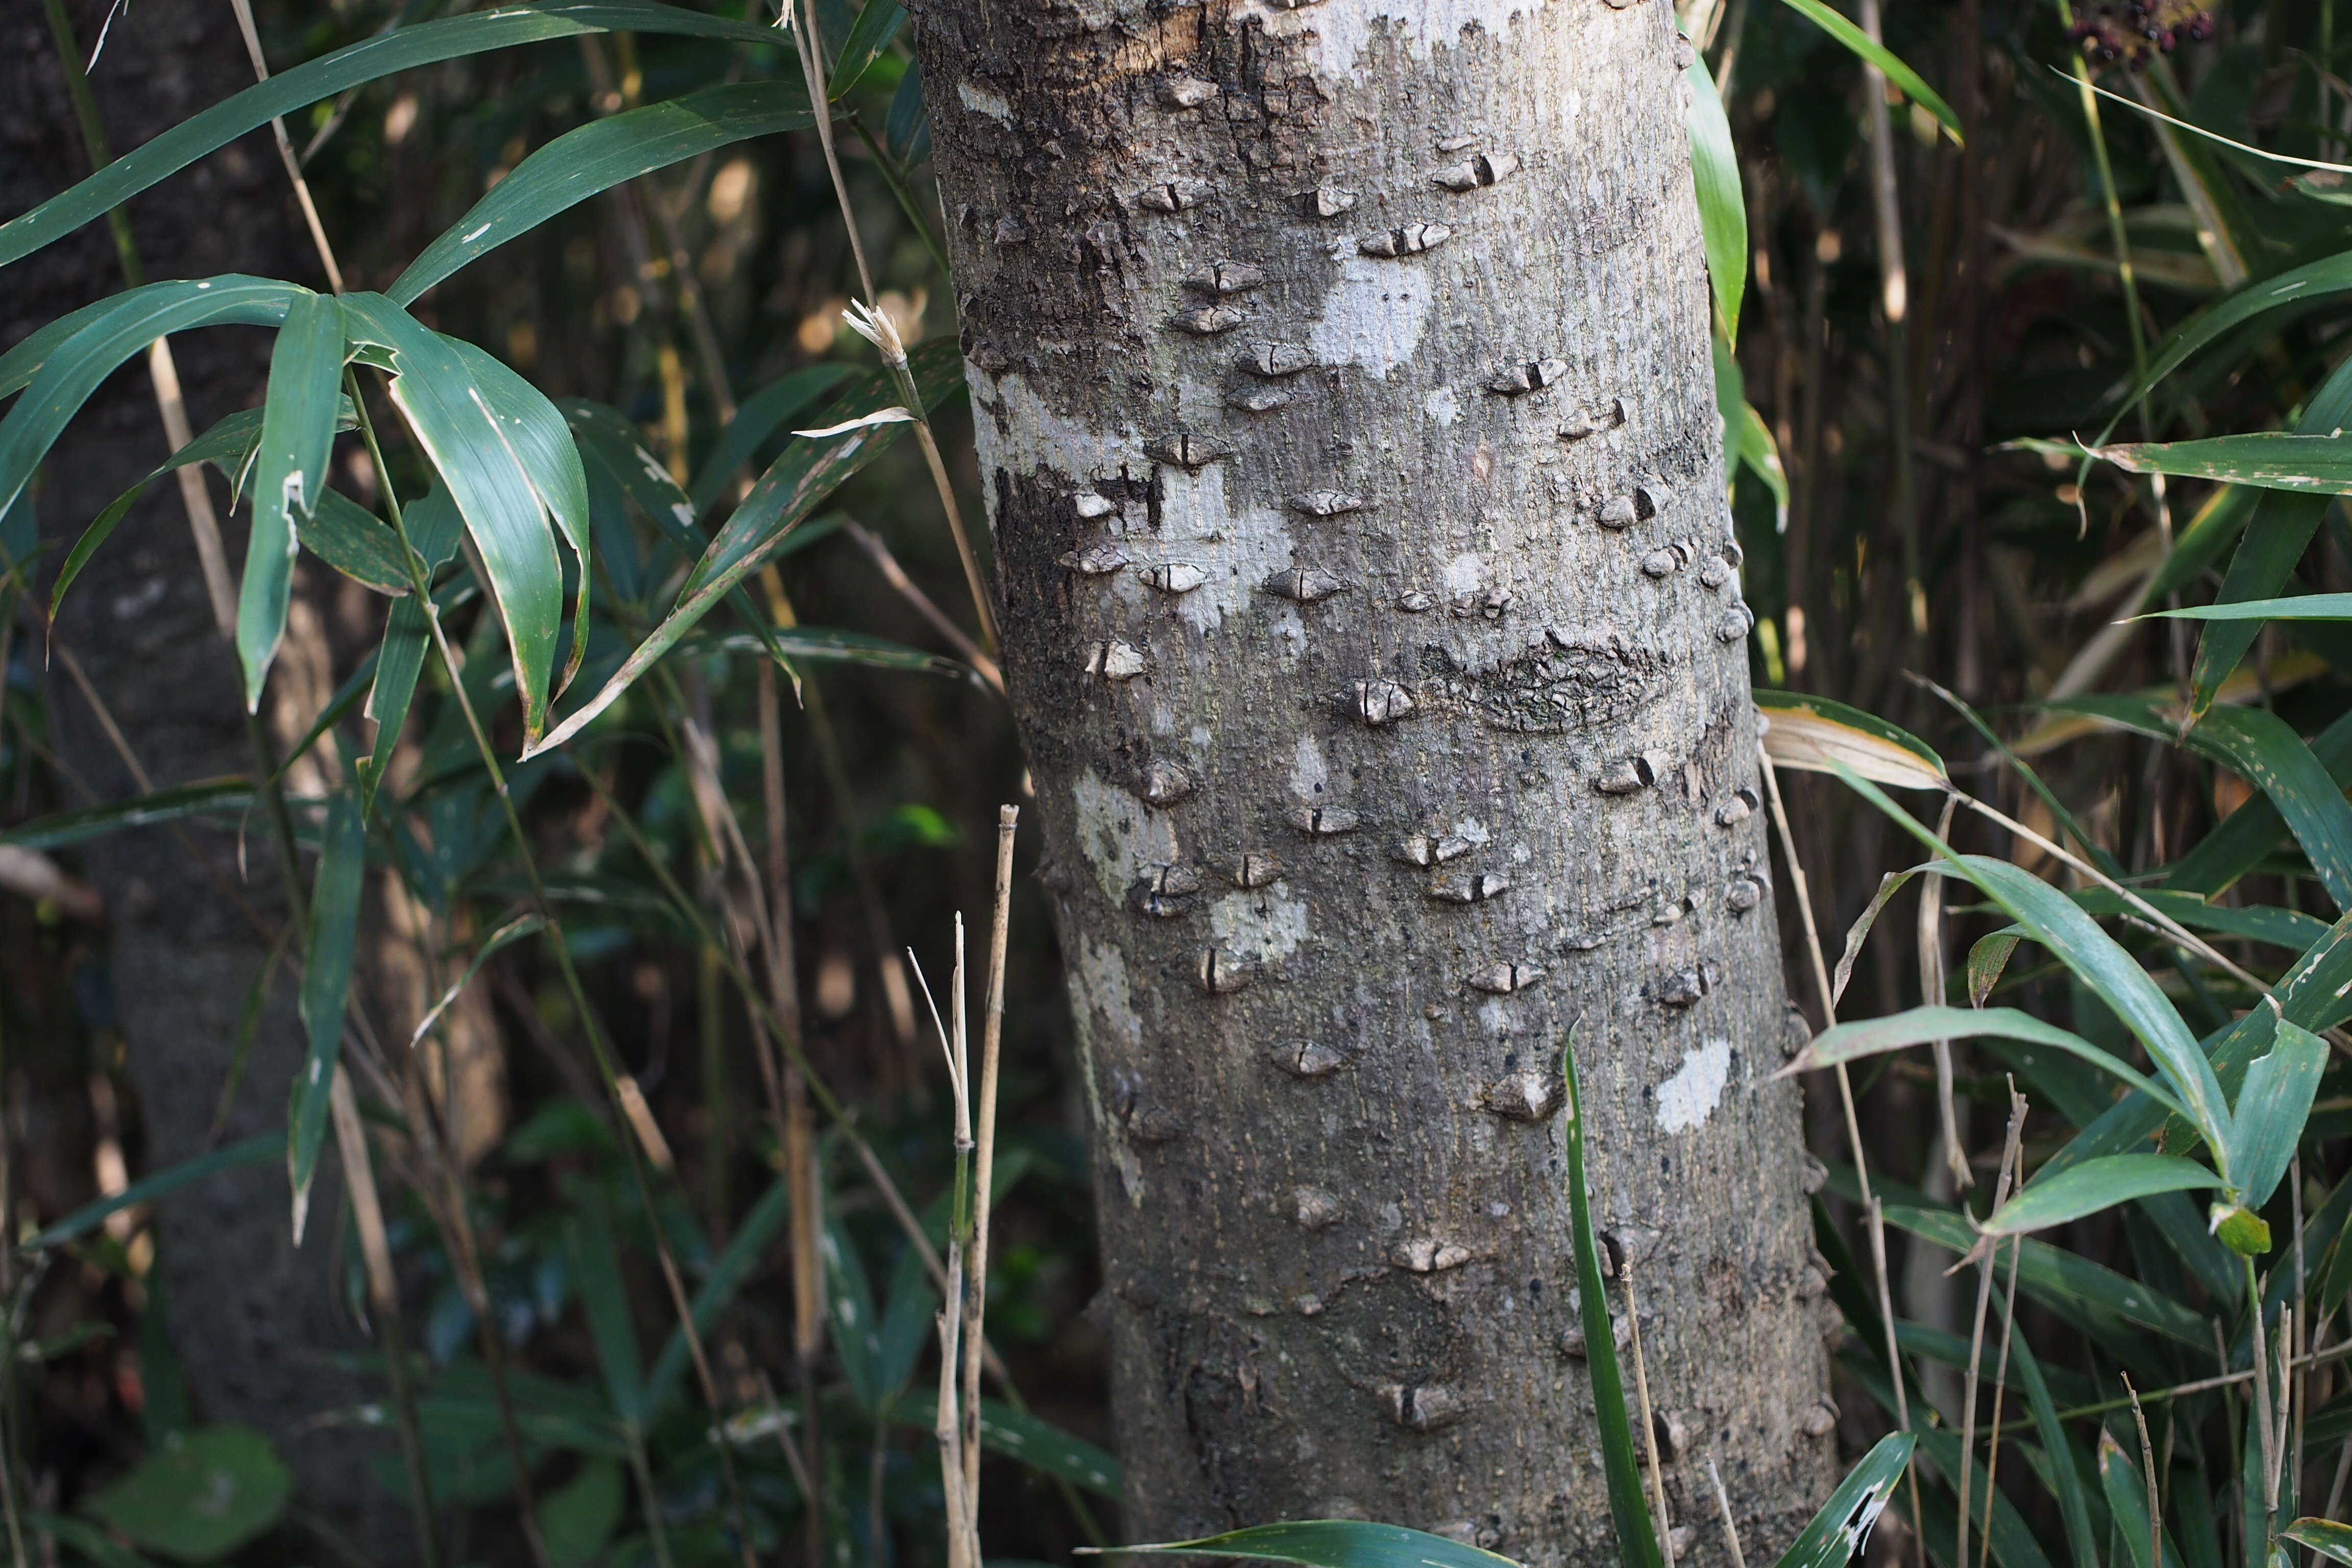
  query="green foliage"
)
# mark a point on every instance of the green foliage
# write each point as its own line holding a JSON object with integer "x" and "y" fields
{"x": 205, "y": 1493}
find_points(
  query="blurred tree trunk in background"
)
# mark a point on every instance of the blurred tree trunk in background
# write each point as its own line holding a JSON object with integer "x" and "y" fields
{"x": 253, "y": 1320}
{"x": 1346, "y": 420}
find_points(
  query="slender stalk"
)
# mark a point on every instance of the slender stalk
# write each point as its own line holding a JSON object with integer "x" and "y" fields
{"x": 1895, "y": 302}
{"x": 1649, "y": 1417}
{"x": 985, "y": 1153}
{"x": 2262, "y": 1394}
{"x": 1976, "y": 1342}
{"x": 650, "y": 1499}
{"x": 2148, "y": 1469}
{"x": 607, "y": 1068}
{"x": 1722, "y": 1497}
{"x": 2000, "y": 1386}
{"x": 243, "y": 9}
{"x": 384, "y": 1301}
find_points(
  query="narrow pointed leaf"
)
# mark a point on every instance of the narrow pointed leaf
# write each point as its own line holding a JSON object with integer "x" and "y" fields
{"x": 433, "y": 527}
{"x": 224, "y": 796}
{"x": 1821, "y": 736}
{"x": 1892, "y": 883}
{"x": 1722, "y": 211}
{"x": 2265, "y": 750}
{"x": 596, "y": 1267}
{"x": 506, "y": 935}
{"x": 2272, "y": 1109}
{"x": 877, "y": 22}
{"x": 1903, "y": 77}
{"x": 1028, "y": 1438}
{"x": 1629, "y": 1511}
{"x": 2096, "y": 1185}
{"x": 2241, "y": 838}
{"x": 1839, "y": 1532}
{"x": 2324, "y": 1536}
{"x": 260, "y": 1149}
{"x": 325, "y": 983}
{"x": 728, "y": 1274}
{"x": 761, "y": 415}
{"x": 437, "y": 390}
{"x": 2304, "y": 285}
{"x": 800, "y": 478}
{"x": 1988, "y": 957}
{"x": 599, "y": 156}
{"x": 298, "y": 436}
{"x": 2073, "y": 1499}
{"x": 2122, "y": 1478}
{"x": 2302, "y": 608}
{"x": 2267, "y": 459}
{"x": 856, "y": 1325}
{"x": 1924, "y": 1025}
{"x": 1332, "y": 1543}
{"x": 356, "y": 543}
{"x": 404, "y": 49}
{"x": 71, "y": 371}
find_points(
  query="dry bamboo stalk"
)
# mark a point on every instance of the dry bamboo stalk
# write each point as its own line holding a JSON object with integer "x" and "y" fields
{"x": 984, "y": 1154}
{"x": 1649, "y": 1420}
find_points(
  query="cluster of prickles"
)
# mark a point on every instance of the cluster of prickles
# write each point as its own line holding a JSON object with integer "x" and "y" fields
{"x": 2132, "y": 30}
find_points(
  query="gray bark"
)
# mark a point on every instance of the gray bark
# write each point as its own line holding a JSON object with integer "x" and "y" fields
{"x": 254, "y": 1321}
{"x": 1347, "y": 423}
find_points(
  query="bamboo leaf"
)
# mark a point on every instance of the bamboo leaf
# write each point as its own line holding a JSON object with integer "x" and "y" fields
{"x": 258, "y": 1150}
{"x": 2267, "y": 459}
{"x": 2120, "y": 1477}
{"x": 802, "y": 477}
{"x": 223, "y": 794}
{"x": 514, "y": 930}
{"x": 2074, "y": 1500}
{"x": 1923, "y": 1026}
{"x": 877, "y": 22}
{"x": 599, "y": 156}
{"x": 908, "y": 130}
{"x": 1722, "y": 211}
{"x": 1329, "y": 1543}
{"x": 2093, "y": 1186}
{"x": 433, "y": 527}
{"x": 2265, "y": 751}
{"x": 404, "y": 49}
{"x": 1986, "y": 958}
{"x": 325, "y": 983}
{"x": 2307, "y": 284}
{"x": 1637, "y": 1537}
{"x": 2272, "y": 1108}
{"x": 761, "y": 415}
{"x": 2301, "y": 607}
{"x": 1818, "y": 735}
{"x": 1035, "y": 1442}
{"x": 728, "y": 1273}
{"x": 72, "y": 369}
{"x": 1893, "y": 68}
{"x": 1839, "y": 1532}
{"x": 2324, "y": 1536}
{"x": 857, "y": 1327}
{"x": 1892, "y": 883}
{"x": 436, "y": 389}
{"x": 298, "y": 436}
{"x": 2241, "y": 840}
{"x": 356, "y": 543}
{"x": 596, "y": 1267}
{"x": 828, "y": 644}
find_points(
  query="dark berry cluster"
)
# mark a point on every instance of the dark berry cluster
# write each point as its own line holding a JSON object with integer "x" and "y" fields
{"x": 2132, "y": 30}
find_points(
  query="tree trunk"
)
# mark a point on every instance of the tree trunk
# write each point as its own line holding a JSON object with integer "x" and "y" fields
{"x": 1344, "y": 407}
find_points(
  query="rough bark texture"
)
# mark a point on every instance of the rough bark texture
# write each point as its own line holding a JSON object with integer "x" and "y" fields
{"x": 254, "y": 1319}
{"x": 1347, "y": 422}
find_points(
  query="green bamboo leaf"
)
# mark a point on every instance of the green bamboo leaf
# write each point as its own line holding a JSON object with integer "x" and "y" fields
{"x": 1722, "y": 211}
{"x": 2301, "y": 607}
{"x": 539, "y": 441}
{"x": 1923, "y": 1026}
{"x": 610, "y": 441}
{"x": 2238, "y": 844}
{"x": 2265, "y": 750}
{"x": 2013, "y": 1545}
{"x": 474, "y": 451}
{"x": 298, "y": 436}
{"x": 2121, "y": 1477}
{"x": 728, "y": 1274}
{"x": 807, "y": 472}
{"x": 1821, "y": 736}
{"x": 2289, "y": 929}
{"x": 1629, "y": 1511}
{"x": 856, "y": 1325}
{"x": 73, "y": 369}
{"x": 1839, "y": 1532}
{"x": 596, "y": 1268}
{"x": 404, "y": 49}
{"x": 1030, "y": 1440}
{"x": 1329, "y": 1543}
{"x": 2095, "y": 959}
{"x": 225, "y": 796}
{"x": 433, "y": 526}
{"x": 1892, "y": 883}
{"x": 356, "y": 543}
{"x": 514, "y": 930}
{"x": 1986, "y": 958}
{"x": 2307, "y": 284}
{"x": 326, "y": 984}
{"x": 86, "y": 1538}
{"x": 200, "y": 1496}
{"x": 785, "y": 643}
{"x": 2272, "y": 1108}
{"x": 877, "y": 22}
{"x": 258, "y": 1150}
{"x": 2267, "y": 459}
{"x": 2093, "y": 1186}
{"x": 2073, "y": 1499}
{"x": 599, "y": 156}
{"x": 2324, "y": 1536}
{"x": 2222, "y": 518}
{"x": 760, "y": 416}
{"x": 1903, "y": 77}
{"x": 908, "y": 130}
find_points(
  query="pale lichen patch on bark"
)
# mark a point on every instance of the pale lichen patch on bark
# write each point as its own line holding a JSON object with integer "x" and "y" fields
{"x": 979, "y": 100}
{"x": 1686, "y": 1100}
{"x": 1373, "y": 317}
{"x": 1267, "y": 924}
{"x": 1339, "y": 34}
{"x": 1120, "y": 837}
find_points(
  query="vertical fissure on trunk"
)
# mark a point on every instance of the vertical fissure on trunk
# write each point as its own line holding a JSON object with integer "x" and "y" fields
{"x": 1342, "y": 390}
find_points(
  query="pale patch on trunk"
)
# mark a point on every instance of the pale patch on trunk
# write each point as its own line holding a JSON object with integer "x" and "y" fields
{"x": 1689, "y": 1098}
{"x": 1122, "y": 837}
{"x": 1265, "y": 925}
{"x": 1339, "y": 32}
{"x": 1374, "y": 316}
{"x": 1236, "y": 552}
{"x": 1017, "y": 432}
{"x": 979, "y": 100}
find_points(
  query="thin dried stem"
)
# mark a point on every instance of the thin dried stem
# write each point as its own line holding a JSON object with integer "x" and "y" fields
{"x": 1931, "y": 992}
{"x": 2262, "y": 1404}
{"x": 243, "y": 10}
{"x": 1730, "y": 1525}
{"x": 984, "y": 1153}
{"x": 1649, "y": 1417}
{"x": 2147, "y": 1469}
{"x": 2009, "y": 1155}
{"x": 924, "y": 605}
